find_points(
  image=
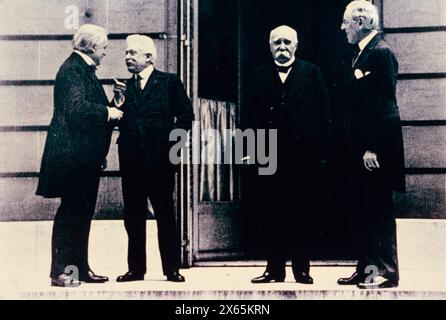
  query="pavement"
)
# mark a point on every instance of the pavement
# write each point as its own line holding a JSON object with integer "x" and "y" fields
{"x": 25, "y": 260}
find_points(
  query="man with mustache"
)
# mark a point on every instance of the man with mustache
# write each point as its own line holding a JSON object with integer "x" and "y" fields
{"x": 154, "y": 103}
{"x": 288, "y": 94}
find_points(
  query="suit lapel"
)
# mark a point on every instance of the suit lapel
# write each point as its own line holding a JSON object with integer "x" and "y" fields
{"x": 369, "y": 47}
{"x": 90, "y": 74}
{"x": 151, "y": 84}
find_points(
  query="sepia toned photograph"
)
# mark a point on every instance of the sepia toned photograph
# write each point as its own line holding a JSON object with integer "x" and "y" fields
{"x": 238, "y": 150}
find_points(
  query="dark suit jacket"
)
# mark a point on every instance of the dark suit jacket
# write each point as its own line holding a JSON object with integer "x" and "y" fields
{"x": 151, "y": 116}
{"x": 374, "y": 122}
{"x": 300, "y": 116}
{"x": 79, "y": 134}
{"x": 275, "y": 204}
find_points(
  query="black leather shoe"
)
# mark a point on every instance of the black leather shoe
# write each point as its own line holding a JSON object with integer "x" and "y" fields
{"x": 304, "y": 278}
{"x": 268, "y": 277}
{"x": 130, "y": 276}
{"x": 90, "y": 277}
{"x": 64, "y": 280}
{"x": 354, "y": 279}
{"x": 175, "y": 277}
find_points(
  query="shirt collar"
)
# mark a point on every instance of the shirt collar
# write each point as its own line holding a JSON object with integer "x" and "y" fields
{"x": 364, "y": 42}
{"x": 86, "y": 58}
{"x": 286, "y": 64}
{"x": 145, "y": 74}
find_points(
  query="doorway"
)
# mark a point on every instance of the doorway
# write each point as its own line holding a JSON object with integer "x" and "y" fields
{"x": 233, "y": 40}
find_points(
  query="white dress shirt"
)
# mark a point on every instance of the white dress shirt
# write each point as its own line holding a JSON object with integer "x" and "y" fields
{"x": 145, "y": 75}
{"x": 364, "y": 42}
{"x": 283, "y": 76}
{"x": 86, "y": 58}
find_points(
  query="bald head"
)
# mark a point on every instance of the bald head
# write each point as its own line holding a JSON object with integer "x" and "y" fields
{"x": 144, "y": 43}
{"x": 283, "y": 31}
{"x": 283, "y": 43}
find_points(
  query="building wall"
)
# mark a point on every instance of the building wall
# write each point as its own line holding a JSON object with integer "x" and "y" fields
{"x": 34, "y": 41}
{"x": 417, "y": 31}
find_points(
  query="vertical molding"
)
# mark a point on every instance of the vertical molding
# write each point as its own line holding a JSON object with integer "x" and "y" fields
{"x": 107, "y": 14}
{"x": 380, "y": 5}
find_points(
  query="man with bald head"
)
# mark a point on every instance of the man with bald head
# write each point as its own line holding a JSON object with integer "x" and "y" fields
{"x": 288, "y": 94}
{"x": 154, "y": 103}
{"x": 376, "y": 153}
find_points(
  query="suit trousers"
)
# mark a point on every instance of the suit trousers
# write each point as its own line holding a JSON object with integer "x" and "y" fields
{"x": 72, "y": 223}
{"x": 374, "y": 226}
{"x": 287, "y": 212}
{"x": 157, "y": 184}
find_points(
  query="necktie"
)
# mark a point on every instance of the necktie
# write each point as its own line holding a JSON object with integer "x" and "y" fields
{"x": 356, "y": 52}
{"x": 138, "y": 83}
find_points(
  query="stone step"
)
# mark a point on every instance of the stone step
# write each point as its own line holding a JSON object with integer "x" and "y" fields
{"x": 25, "y": 255}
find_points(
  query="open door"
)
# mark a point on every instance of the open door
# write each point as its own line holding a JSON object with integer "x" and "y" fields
{"x": 233, "y": 39}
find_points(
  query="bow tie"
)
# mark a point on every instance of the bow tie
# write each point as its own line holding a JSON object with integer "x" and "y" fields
{"x": 93, "y": 67}
{"x": 283, "y": 69}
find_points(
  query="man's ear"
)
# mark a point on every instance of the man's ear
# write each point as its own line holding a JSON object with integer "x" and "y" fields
{"x": 149, "y": 58}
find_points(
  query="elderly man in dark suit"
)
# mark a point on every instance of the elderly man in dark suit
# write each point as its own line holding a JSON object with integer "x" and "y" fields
{"x": 375, "y": 144}
{"x": 77, "y": 144}
{"x": 154, "y": 103}
{"x": 288, "y": 94}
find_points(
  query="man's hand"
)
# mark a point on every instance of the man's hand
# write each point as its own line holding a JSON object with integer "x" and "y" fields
{"x": 114, "y": 113}
{"x": 370, "y": 160}
{"x": 119, "y": 89}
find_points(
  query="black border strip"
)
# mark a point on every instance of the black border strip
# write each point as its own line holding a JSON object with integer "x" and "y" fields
{"x": 36, "y": 174}
{"x": 59, "y": 37}
{"x": 414, "y": 29}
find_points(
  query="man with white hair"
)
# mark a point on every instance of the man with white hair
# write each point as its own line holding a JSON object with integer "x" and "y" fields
{"x": 77, "y": 144}
{"x": 375, "y": 145}
{"x": 288, "y": 94}
{"x": 154, "y": 104}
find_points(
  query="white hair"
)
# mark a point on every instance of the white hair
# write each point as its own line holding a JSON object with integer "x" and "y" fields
{"x": 87, "y": 37}
{"x": 283, "y": 31}
{"x": 144, "y": 43}
{"x": 367, "y": 10}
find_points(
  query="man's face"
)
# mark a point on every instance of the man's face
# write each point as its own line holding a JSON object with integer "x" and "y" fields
{"x": 283, "y": 48}
{"x": 351, "y": 27}
{"x": 99, "y": 52}
{"x": 136, "y": 59}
